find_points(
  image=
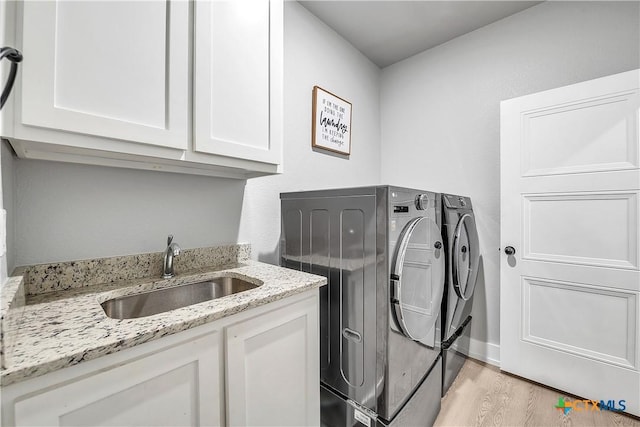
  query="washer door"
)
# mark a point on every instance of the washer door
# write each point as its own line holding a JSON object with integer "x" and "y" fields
{"x": 417, "y": 279}
{"x": 465, "y": 257}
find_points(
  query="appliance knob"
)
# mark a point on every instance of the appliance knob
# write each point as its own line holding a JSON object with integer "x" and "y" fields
{"x": 421, "y": 202}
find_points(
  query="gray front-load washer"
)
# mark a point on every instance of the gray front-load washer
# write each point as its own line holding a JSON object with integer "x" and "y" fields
{"x": 462, "y": 262}
{"x": 381, "y": 250}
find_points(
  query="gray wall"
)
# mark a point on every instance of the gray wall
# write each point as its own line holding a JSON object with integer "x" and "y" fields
{"x": 440, "y": 109}
{"x": 66, "y": 211}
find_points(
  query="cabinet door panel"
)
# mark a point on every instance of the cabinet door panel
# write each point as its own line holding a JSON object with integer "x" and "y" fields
{"x": 174, "y": 387}
{"x": 238, "y": 78}
{"x": 272, "y": 364}
{"x": 104, "y": 68}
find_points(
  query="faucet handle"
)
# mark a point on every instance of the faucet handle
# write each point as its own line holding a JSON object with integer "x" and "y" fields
{"x": 169, "y": 239}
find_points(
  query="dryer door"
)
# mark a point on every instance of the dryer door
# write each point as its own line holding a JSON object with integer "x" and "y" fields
{"x": 465, "y": 257}
{"x": 417, "y": 279}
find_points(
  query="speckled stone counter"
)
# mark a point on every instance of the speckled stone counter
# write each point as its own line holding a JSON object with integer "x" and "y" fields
{"x": 61, "y": 328}
{"x": 12, "y": 302}
{"x": 44, "y": 278}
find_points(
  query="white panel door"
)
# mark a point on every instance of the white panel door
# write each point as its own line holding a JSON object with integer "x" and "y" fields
{"x": 179, "y": 386}
{"x": 114, "y": 69}
{"x": 273, "y": 368}
{"x": 238, "y": 78}
{"x": 570, "y": 202}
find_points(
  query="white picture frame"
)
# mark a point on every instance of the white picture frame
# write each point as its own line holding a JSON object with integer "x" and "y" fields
{"x": 331, "y": 122}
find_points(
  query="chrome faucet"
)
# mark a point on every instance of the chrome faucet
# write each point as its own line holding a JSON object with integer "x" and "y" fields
{"x": 173, "y": 250}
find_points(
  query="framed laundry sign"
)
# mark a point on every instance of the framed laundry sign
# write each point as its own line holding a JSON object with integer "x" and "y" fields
{"x": 331, "y": 129}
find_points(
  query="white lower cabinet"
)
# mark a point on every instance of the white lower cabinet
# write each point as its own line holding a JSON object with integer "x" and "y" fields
{"x": 177, "y": 386}
{"x": 259, "y": 367}
{"x": 271, "y": 369}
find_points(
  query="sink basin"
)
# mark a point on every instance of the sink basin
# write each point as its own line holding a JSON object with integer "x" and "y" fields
{"x": 161, "y": 300}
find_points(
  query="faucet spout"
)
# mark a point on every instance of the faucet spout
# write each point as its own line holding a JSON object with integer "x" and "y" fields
{"x": 172, "y": 251}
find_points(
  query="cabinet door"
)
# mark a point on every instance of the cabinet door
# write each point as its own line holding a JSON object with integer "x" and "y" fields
{"x": 273, "y": 368}
{"x": 174, "y": 387}
{"x": 114, "y": 69}
{"x": 238, "y": 79}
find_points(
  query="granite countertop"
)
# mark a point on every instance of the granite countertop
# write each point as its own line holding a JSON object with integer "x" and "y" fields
{"x": 61, "y": 328}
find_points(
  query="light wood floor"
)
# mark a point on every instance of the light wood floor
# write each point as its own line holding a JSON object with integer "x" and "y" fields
{"x": 483, "y": 396}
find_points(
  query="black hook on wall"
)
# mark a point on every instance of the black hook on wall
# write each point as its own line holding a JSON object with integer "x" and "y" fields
{"x": 15, "y": 57}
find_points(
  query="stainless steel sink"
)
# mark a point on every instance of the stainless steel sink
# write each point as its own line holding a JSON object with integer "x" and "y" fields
{"x": 161, "y": 300}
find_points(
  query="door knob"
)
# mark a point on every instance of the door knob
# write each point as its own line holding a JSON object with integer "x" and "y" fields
{"x": 510, "y": 250}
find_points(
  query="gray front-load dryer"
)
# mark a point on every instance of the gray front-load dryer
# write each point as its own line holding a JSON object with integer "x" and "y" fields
{"x": 381, "y": 250}
{"x": 463, "y": 260}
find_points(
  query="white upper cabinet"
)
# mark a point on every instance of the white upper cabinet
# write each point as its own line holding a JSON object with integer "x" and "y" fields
{"x": 111, "y": 83}
{"x": 238, "y": 79}
{"x": 111, "y": 69}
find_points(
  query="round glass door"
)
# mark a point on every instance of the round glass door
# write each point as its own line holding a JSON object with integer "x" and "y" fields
{"x": 465, "y": 257}
{"x": 417, "y": 278}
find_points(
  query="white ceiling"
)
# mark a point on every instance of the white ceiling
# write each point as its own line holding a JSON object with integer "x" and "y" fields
{"x": 388, "y": 31}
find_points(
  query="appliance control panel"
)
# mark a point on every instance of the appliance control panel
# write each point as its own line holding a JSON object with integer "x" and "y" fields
{"x": 457, "y": 202}
{"x": 422, "y": 202}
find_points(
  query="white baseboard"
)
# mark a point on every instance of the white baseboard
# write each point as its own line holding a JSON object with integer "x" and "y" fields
{"x": 485, "y": 352}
